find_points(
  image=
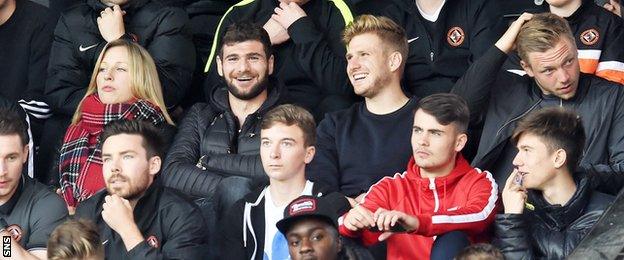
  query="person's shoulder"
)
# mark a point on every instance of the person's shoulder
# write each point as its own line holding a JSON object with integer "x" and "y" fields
{"x": 40, "y": 195}
{"x": 89, "y": 208}
{"x": 174, "y": 199}
{"x": 600, "y": 16}
{"x": 601, "y": 85}
{"x": 344, "y": 114}
{"x": 81, "y": 10}
{"x": 599, "y": 201}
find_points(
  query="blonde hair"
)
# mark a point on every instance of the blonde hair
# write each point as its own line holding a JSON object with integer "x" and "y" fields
{"x": 75, "y": 239}
{"x": 542, "y": 33}
{"x": 144, "y": 82}
{"x": 387, "y": 30}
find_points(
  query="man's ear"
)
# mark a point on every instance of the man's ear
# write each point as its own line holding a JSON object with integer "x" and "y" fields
{"x": 460, "y": 142}
{"x": 527, "y": 68}
{"x": 26, "y": 151}
{"x": 560, "y": 158}
{"x": 309, "y": 155}
{"x": 219, "y": 66}
{"x": 154, "y": 165}
{"x": 271, "y": 61}
{"x": 394, "y": 60}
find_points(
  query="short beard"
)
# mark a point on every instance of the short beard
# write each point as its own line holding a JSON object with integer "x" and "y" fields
{"x": 255, "y": 90}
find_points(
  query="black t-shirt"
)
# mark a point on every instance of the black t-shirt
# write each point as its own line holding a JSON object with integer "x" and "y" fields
{"x": 35, "y": 212}
{"x": 356, "y": 148}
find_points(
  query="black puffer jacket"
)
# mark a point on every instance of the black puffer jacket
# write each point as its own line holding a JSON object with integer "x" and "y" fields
{"x": 209, "y": 147}
{"x": 162, "y": 30}
{"x": 550, "y": 231}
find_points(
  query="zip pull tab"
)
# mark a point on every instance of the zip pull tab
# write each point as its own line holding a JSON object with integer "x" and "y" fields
{"x": 432, "y": 184}
{"x": 431, "y": 55}
{"x": 200, "y": 163}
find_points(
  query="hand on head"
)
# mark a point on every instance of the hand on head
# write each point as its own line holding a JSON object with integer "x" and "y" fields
{"x": 110, "y": 23}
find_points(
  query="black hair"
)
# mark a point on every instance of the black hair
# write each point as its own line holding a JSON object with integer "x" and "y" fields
{"x": 152, "y": 138}
{"x": 446, "y": 108}
{"x": 11, "y": 123}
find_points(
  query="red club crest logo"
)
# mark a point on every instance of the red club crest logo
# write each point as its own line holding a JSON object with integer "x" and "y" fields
{"x": 590, "y": 37}
{"x": 152, "y": 241}
{"x": 455, "y": 36}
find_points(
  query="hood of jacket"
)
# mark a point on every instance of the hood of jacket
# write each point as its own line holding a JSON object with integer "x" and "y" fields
{"x": 276, "y": 94}
{"x": 461, "y": 167}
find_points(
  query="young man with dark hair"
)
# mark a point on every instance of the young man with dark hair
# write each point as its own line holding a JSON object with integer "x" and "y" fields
{"x": 498, "y": 99}
{"x": 546, "y": 189}
{"x": 439, "y": 197}
{"x": 215, "y": 156}
{"x": 309, "y": 56}
{"x": 287, "y": 145}
{"x": 135, "y": 215}
{"x": 28, "y": 210}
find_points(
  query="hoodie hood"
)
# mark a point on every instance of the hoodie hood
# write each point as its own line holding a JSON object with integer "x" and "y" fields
{"x": 461, "y": 168}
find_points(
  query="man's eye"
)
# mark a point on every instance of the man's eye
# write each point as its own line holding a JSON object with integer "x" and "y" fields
{"x": 106, "y": 160}
{"x": 294, "y": 243}
{"x": 126, "y": 157}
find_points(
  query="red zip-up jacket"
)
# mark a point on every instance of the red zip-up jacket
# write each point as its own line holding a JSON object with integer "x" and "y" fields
{"x": 464, "y": 200}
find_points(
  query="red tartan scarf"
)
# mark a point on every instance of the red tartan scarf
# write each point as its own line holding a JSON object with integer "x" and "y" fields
{"x": 80, "y": 164}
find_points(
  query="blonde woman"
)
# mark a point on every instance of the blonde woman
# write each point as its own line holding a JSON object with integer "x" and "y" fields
{"x": 124, "y": 85}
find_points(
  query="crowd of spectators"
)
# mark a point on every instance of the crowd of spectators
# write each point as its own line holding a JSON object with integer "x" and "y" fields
{"x": 308, "y": 129}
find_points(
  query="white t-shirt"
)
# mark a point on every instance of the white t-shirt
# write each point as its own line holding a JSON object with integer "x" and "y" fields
{"x": 275, "y": 244}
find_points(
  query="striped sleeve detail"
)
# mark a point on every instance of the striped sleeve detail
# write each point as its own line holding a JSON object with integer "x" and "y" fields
{"x": 473, "y": 217}
{"x": 611, "y": 70}
{"x": 37, "y": 109}
{"x": 217, "y": 37}
{"x": 345, "y": 11}
{"x": 588, "y": 60}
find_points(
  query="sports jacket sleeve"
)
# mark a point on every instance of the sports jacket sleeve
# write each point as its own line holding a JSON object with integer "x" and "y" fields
{"x": 32, "y": 100}
{"x": 511, "y": 236}
{"x": 174, "y": 54}
{"x": 321, "y": 54}
{"x": 482, "y": 33}
{"x": 324, "y": 168}
{"x": 185, "y": 241}
{"x": 180, "y": 171}
{"x": 611, "y": 63}
{"x": 249, "y": 166}
{"x": 67, "y": 76}
{"x": 477, "y": 82}
{"x": 609, "y": 176}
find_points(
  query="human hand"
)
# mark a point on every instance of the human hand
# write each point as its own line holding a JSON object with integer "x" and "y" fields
{"x": 110, "y": 23}
{"x": 359, "y": 218}
{"x": 390, "y": 221}
{"x": 287, "y": 14}
{"x": 277, "y": 33}
{"x": 507, "y": 41}
{"x": 117, "y": 213}
{"x": 514, "y": 194}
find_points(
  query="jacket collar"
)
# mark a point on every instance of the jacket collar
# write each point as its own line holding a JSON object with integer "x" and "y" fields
{"x": 129, "y": 7}
{"x": 461, "y": 168}
{"x": 561, "y": 216}
{"x": 276, "y": 91}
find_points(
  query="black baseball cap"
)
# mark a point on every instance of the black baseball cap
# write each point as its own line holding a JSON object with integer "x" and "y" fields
{"x": 327, "y": 208}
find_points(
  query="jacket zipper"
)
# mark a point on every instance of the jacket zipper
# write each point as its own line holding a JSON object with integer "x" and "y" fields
{"x": 518, "y": 117}
{"x": 432, "y": 187}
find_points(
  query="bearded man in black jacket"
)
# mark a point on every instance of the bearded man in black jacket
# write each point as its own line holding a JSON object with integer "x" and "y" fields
{"x": 215, "y": 155}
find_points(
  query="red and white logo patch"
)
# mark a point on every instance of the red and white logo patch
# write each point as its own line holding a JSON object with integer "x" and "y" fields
{"x": 302, "y": 205}
{"x": 455, "y": 36}
{"x": 590, "y": 37}
{"x": 152, "y": 241}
